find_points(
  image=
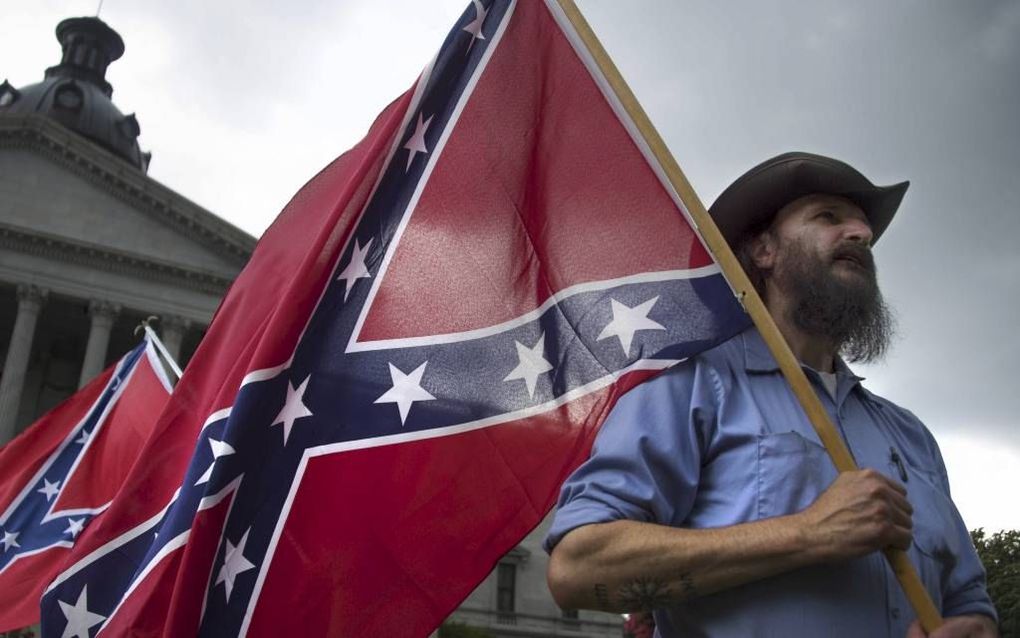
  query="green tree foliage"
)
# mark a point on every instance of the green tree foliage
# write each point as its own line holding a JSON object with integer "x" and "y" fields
{"x": 460, "y": 630}
{"x": 1000, "y": 553}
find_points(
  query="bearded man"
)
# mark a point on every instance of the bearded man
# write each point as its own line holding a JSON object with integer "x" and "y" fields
{"x": 708, "y": 497}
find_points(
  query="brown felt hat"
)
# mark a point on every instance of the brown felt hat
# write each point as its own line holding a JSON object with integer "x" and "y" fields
{"x": 757, "y": 195}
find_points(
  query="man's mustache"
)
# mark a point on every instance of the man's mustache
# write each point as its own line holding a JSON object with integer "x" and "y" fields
{"x": 858, "y": 253}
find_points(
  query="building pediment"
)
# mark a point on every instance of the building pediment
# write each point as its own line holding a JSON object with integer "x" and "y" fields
{"x": 80, "y": 253}
{"x": 88, "y": 196}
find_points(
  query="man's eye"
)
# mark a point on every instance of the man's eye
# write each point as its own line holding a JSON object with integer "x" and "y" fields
{"x": 826, "y": 214}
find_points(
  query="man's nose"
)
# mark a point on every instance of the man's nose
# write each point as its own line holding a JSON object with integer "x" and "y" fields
{"x": 858, "y": 230}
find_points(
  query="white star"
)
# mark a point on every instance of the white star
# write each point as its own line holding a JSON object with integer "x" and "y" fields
{"x": 293, "y": 409}
{"x": 416, "y": 143}
{"x": 83, "y": 439}
{"x": 234, "y": 563}
{"x": 219, "y": 448}
{"x": 49, "y": 489}
{"x": 79, "y": 618}
{"x": 356, "y": 268}
{"x": 530, "y": 364}
{"x": 74, "y": 527}
{"x": 406, "y": 390}
{"x": 475, "y": 27}
{"x": 626, "y": 321}
{"x": 10, "y": 540}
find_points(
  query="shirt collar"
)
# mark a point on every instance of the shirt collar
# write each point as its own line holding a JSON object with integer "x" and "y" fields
{"x": 758, "y": 358}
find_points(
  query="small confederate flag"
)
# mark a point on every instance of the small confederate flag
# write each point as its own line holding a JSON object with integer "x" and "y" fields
{"x": 63, "y": 471}
{"x": 422, "y": 347}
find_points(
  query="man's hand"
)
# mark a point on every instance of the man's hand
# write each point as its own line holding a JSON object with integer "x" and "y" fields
{"x": 973, "y": 626}
{"x": 861, "y": 512}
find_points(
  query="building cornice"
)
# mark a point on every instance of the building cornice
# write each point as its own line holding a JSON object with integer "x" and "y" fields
{"x": 115, "y": 176}
{"x": 80, "y": 253}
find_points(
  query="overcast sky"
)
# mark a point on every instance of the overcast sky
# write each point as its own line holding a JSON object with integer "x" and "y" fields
{"x": 242, "y": 102}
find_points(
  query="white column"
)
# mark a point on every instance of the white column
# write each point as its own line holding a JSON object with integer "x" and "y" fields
{"x": 30, "y": 301}
{"x": 172, "y": 329}
{"x": 103, "y": 314}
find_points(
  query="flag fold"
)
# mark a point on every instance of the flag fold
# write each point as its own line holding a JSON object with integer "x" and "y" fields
{"x": 420, "y": 350}
{"x": 63, "y": 471}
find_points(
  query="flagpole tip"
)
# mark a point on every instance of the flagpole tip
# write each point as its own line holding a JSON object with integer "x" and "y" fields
{"x": 144, "y": 323}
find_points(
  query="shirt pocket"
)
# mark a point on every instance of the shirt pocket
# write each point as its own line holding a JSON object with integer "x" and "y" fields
{"x": 792, "y": 472}
{"x": 935, "y": 533}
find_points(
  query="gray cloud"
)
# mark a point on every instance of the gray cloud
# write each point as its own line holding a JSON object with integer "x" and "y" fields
{"x": 924, "y": 91}
{"x": 242, "y": 102}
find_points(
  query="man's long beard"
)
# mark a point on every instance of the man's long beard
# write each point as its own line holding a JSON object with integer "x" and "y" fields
{"x": 848, "y": 311}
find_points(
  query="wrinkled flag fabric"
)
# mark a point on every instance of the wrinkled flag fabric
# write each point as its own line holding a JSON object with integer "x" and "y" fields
{"x": 63, "y": 471}
{"x": 420, "y": 350}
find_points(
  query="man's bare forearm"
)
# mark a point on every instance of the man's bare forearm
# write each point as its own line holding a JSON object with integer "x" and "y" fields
{"x": 628, "y": 566}
{"x": 631, "y": 566}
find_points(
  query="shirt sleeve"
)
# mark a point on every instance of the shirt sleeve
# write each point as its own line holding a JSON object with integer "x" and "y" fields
{"x": 646, "y": 460}
{"x": 965, "y": 589}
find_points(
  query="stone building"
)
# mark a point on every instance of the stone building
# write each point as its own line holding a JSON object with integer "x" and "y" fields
{"x": 514, "y": 600}
{"x": 89, "y": 244}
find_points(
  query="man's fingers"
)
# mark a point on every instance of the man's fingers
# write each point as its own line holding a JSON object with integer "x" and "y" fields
{"x": 968, "y": 626}
{"x": 897, "y": 512}
{"x": 915, "y": 631}
{"x": 867, "y": 511}
{"x": 897, "y": 487}
{"x": 894, "y": 486}
{"x": 899, "y": 498}
{"x": 900, "y": 517}
{"x": 902, "y": 538}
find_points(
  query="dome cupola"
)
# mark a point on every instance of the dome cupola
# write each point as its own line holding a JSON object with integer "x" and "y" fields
{"x": 76, "y": 93}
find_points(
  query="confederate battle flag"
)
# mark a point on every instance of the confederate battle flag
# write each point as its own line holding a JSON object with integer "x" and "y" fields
{"x": 63, "y": 471}
{"x": 421, "y": 349}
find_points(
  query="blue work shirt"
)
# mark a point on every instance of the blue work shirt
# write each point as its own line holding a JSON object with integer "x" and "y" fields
{"x": 720, "y": 440}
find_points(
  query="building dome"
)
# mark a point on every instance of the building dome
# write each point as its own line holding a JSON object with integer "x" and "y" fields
{"x": 76, "y": 94}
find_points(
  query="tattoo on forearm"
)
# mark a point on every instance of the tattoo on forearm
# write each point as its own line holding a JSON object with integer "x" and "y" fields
{"x": 644, "y": 594}
{"x": 687, "y": 588}
{"x": 602, "y": 596}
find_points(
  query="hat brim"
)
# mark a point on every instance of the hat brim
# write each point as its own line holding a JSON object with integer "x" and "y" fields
{"x": 755, "y": 197}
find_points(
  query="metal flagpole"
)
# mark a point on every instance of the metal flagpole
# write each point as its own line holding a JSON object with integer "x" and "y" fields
{"x": 748, "y": 296}
{"x": 151, "y": 334}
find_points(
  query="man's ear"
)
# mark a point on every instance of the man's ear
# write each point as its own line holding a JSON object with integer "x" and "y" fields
{"x": 763, "y": 250}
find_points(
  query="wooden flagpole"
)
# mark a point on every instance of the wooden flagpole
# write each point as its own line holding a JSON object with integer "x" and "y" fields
{"x": 748, "y": 296}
